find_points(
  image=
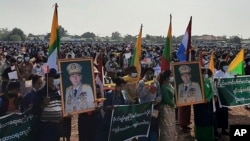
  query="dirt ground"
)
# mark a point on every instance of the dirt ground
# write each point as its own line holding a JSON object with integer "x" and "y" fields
{"x": 237, "y": 115}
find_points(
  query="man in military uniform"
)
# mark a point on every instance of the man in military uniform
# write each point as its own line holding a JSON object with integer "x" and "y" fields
{"x": 78, "y": 96}
{"x": 188, "y": 91}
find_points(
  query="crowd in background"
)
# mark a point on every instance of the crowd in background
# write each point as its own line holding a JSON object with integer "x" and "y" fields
{"x": 29, "y": 57}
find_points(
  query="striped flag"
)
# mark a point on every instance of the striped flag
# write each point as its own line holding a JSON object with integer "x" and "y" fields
{"x": 237, "y": 65}
{"x": 166, "y": 55}
{"x": 135, "y": 61}
{"x": 185, "y": 46}
{"x": 54, "y": 43}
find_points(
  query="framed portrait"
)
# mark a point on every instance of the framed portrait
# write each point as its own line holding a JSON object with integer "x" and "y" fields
{"x": 188, "y": 83}
{"x": 78, "y": 87}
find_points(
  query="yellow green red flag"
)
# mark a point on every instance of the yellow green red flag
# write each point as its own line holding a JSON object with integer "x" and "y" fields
{"x": 167, "y": 51}
{"x": 54, "y": 43}
{"x": 237, "y": 65}
{"x": 135, "y": 61}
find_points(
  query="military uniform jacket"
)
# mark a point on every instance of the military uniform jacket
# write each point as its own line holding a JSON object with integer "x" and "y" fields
{"x": 79, "y": 99}
{"x": 191, "y": 94}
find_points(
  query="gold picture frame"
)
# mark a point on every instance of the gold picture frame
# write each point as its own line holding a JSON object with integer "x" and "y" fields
{"x": 188, "y": 83}
{"x": 78, "y": 86}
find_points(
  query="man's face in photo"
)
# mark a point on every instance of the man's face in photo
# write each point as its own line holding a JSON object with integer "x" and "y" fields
{"x": 75, "y": 79}
{"x": 186, "y": 77}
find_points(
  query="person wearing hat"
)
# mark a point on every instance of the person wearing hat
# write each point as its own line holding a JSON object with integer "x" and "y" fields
{"x": 203, "y": 112}
{"x": 188, "y": 91}
{"x": 78, "y": 96}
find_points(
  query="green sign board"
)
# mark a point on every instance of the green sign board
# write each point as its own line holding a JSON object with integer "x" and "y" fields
{"x": 234, "y": 91}
{"x": 130, "y": 121}
{"x": 17, "y": 127}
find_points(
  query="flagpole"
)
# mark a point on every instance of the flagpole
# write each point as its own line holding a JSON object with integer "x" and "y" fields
{"x": 189, "y": 55}
{"x": 47, "y": 80}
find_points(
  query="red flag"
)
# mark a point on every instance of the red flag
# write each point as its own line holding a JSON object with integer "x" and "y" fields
{"x": 185, "y": 46}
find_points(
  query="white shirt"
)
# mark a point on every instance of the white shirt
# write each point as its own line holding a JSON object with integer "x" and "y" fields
{"x": 221, "y": 74}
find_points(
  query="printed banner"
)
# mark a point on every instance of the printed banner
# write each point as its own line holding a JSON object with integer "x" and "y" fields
{"x": 130, "y": 121}
{"x": 234, "y": 91}
{"x": 17, "y": 127}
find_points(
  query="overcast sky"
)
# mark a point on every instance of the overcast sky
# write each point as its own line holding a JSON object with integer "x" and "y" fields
{"x": 213, "y": 17}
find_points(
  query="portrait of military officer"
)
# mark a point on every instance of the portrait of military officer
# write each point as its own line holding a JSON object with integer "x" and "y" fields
{"x": 78, "y": 96}
{"x": 188, "y": 91}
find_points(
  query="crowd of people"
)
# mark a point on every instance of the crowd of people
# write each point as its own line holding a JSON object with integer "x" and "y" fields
{"x": 28, "y": 59}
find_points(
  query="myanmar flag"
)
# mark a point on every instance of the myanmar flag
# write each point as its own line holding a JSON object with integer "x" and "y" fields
{"x": 166, "y": 55}
{"x": 135, "y": 61}
{"x": 54, "y": 42}
{"x": 237, "y": 65}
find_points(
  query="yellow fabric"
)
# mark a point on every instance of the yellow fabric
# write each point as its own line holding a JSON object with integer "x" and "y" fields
{"x": 211, "y": 63}
{"x": 138, "y": 49}
{"x": 130, "y": 79}
{"x": 53, "y": 33}
{"x": 149, "y": 82}
{"x": 237, "y": 60}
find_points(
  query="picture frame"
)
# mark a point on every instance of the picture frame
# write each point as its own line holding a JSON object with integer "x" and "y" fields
{"x": 188, "y": 83}
{"x": 78, "y": 88}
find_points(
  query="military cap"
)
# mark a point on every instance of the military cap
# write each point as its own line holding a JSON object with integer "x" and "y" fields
{"x": 74, "y": 68}
{"x": 184, "y": 69}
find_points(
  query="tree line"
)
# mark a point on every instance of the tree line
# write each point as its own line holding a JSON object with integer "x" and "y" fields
{"x": 17, "y": 34}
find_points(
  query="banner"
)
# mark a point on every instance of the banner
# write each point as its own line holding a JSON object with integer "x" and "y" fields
{"x": 17, "y": 127}
{"x": 234, "y": 91}
{"x": 130, "y": 121}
